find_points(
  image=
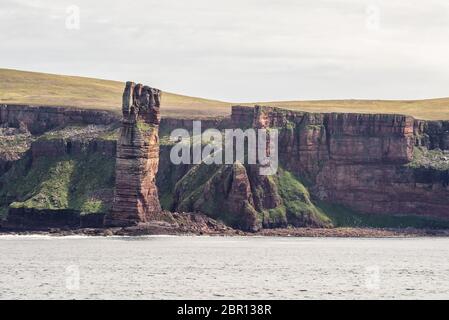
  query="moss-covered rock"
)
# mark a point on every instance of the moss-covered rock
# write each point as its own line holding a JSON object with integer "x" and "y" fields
{"x": 83, "y": 183}
{"x": 299, "y": 209}
{"x": 342, "y": 216}
{"x": 436, "y": 159}
{"x": 240, "y": 197}
{"x": 220, "y": 191}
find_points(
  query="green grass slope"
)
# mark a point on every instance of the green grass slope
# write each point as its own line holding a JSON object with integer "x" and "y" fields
{"x": 82, "y": 183}
{"x": 23, "y": 87}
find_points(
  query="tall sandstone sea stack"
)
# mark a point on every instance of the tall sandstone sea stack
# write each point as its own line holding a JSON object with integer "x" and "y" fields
{"x": 136, "y": 196}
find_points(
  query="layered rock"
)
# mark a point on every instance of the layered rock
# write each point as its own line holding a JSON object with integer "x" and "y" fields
{"x": 432, "y": 134}
{"x": 378, "y": 164}
{"x": 14, "y": 143}
{"x": 58, "y": 178}
{"x": 39, "y": 119}
{"x": 74, "y": 142}
{"x": 136, "y": 196}
{"x": 242, "y": 198}
{"x": 363, "y": 161}
{"x": 221, "y": 191}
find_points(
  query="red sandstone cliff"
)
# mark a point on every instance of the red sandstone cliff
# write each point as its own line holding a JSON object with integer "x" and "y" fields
{"x": 39, "y": 119}
{"x": 360, "y": 160}
{"x": 365, "y": 162}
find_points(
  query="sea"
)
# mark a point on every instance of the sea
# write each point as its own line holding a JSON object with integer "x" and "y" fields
{"x": 193, "y": 267}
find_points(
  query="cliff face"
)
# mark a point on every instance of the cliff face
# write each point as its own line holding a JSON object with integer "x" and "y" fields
{"x": 432, "y": 134}
{"x": 221, "y": 191}
{"x": 136, "y": 196}
{"x": 58, "y": 161}
{"x": 240, "y": 197}
{"x": 63, "y": 178}
{"x": 365, "y": 162}
{"x": 39, "y": 119}
{"x": 237, "y": 194}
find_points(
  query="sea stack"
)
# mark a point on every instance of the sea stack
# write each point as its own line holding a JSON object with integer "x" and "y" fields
{"x": 136, "y": 196}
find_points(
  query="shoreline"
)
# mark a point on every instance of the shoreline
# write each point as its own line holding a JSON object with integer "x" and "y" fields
{"x": 190, "y": 224}
{"x": 286, "y": 232}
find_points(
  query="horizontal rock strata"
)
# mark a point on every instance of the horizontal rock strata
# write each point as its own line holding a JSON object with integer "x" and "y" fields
{"x": 360, "y": 160}
{"x": 136, "y": 196}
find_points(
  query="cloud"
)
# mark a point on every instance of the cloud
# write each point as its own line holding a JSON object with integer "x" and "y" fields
{"x": 240, "y": 50}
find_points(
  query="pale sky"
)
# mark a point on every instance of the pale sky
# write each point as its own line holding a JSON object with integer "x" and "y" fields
{"x": 239, "y": 50}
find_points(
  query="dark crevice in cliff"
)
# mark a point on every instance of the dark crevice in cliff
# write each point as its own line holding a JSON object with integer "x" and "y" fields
{"x": 328, "y": 136}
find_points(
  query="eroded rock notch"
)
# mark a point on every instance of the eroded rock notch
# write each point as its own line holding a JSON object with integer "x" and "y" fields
{"x": 136, "y": 196}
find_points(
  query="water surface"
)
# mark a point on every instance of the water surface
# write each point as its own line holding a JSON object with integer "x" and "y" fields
{"x": 41, "y": 267}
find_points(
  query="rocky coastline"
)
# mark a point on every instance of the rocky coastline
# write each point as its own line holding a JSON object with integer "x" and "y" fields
{"x": 67, "y": 171}
{"x": 194, "y": 224}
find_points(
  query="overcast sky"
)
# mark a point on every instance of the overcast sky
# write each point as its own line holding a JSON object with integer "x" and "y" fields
{"x": 239, "y": 50}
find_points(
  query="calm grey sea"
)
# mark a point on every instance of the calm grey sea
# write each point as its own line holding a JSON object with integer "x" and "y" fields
{"x": 41, "y": 267}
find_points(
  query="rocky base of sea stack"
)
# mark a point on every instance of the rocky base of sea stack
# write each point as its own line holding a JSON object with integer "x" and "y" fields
{"x": 167, "y": 223}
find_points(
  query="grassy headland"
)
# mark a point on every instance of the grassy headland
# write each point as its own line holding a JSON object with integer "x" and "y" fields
{"x": 22, "y": 87}
{"x": 33, "y": 88}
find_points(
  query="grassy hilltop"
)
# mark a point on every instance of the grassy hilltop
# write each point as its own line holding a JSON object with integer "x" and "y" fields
{"x": 21, "y": 87}
{"x": 430, "y": 109}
